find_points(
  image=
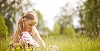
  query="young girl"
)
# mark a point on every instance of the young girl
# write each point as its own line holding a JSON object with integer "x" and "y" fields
{"x": 27, "y": 32}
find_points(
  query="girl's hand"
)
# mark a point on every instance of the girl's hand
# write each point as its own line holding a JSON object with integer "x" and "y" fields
{"x": 24, "y": 42}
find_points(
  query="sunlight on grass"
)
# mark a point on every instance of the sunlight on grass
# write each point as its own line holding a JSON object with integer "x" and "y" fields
{"x": 73, "y": 44}
{"x": 62, "y": 43}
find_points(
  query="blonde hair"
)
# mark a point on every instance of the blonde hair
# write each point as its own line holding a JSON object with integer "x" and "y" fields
{"x": 30, "y": 15}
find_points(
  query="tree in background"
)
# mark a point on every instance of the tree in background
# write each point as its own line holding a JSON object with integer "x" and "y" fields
{"x": 40, "y": 20}
{"x": 12, "y": 8}
{"x": 56, "y": 28}
{"x": 64, "y": 20}
{"x": 41, "y": 26}
{"x": 90, "y": 17}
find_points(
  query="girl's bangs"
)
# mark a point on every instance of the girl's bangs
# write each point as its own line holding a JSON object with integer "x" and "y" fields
{"x": 31, "y": 23}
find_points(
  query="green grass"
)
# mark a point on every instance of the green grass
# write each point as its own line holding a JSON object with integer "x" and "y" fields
{"x": 4, "y": 42}
{"x": 63, "y": 43}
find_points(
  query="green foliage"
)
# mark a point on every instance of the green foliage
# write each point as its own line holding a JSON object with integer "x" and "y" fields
{"x": 41, "y": 26}
{"x": 90, "y": 17}
{"x": 3, "y": 28}
{"x": 56, "y": 28}
{"x": 10, "y": 9}
{"x": 40, "y": 16}
{"x": 69, "y": 31}
{"x": 40, "y": 20}
{"x": 64, "y": 18}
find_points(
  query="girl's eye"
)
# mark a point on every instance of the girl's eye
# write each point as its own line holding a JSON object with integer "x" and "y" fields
{"x": 31, "y": 24}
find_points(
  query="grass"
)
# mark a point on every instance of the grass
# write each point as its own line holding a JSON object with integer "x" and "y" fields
{"x": 63, "y": 43}
{"x": 4, "y": 44}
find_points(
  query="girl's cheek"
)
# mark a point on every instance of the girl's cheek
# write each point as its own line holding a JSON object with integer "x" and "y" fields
{"x": 30, "y": 27}
{"x": 26, "y": 27}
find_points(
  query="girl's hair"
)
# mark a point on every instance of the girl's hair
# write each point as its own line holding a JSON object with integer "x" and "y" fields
{"x": 30, "y": 15}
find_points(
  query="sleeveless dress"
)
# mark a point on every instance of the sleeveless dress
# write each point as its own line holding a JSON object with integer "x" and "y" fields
{"x": 26, "y": 37}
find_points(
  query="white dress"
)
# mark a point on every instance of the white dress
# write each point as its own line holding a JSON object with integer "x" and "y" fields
{"x": 26, "y": 37}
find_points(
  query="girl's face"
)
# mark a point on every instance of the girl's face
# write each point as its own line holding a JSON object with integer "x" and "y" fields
{"x": 28, "y": 25}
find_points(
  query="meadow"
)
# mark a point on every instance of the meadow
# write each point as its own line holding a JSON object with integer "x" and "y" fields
{"x": 62, "y": 43}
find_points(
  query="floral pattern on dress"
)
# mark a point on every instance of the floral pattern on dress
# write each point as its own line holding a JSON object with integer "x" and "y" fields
{"x": 26, "y": 37}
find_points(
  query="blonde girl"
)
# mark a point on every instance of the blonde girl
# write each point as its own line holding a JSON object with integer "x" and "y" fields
{"x": 27, "y": 33}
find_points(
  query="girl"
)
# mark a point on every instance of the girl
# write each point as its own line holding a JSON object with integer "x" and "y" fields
{"x": 27, "y": 32}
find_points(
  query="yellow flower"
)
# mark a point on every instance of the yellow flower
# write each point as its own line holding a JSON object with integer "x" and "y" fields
{"x": 29, "y": 49}
{"x": 18, "y": 48}
{"x": 6, "y": 49}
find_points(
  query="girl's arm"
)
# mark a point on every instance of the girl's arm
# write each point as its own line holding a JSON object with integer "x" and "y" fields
{"x": 15, "y": 36}
{"x": 37, "y": 37}
{"x": 14, "y": 41}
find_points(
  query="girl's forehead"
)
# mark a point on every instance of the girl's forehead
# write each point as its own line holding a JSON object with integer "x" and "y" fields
{"x": 29, "y": 21}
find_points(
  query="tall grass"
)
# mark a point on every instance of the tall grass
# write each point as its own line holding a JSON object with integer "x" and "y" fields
{"x": 63, "y": 43}
{"x": 4, "y": 43}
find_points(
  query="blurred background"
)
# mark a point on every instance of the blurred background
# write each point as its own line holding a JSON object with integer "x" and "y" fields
{"x": 64, "y": 25}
